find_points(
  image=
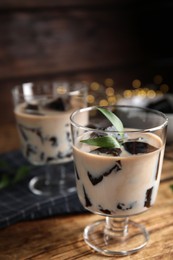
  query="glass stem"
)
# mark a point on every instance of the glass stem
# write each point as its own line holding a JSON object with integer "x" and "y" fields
{"x": 55, "y": 175}
{"x": 47, "y": 174}
{"x": 62, "y": 178}
{"x": 116, "y": 227}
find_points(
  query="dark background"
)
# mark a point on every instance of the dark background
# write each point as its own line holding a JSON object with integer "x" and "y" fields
{"x": 84, "y": 40}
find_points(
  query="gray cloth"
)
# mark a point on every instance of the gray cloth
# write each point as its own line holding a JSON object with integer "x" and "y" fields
{"x": 17, "y": 203}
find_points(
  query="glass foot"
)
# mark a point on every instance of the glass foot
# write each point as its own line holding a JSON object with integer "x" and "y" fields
{"x": 110, "y": 243}
{"x": 40, "y": 186}
{"x": 56, "y": 180}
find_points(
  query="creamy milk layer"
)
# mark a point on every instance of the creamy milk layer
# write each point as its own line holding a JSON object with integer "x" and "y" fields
{"x": 45, "y": 137}
{"x": 118, "y": 185}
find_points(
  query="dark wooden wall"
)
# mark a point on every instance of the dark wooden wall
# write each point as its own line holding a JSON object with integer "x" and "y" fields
{"x": 85, "y": 39}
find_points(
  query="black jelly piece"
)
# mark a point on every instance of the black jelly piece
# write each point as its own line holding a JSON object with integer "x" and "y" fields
{"x": 60, "y": 155}
{"x": 105, "y": 211}
{"x": 136, "y": 147}
{"x": 148, "y": 194}
{"x": 95, "y": 180}
{"x": 23, "y": 133}
{"x": 42, "y": 155}
{"x": 68, "y": 136}
{"x": 76, "y": 171}
{"x": 95, "y": 135}
{"x": 91, "y": 126}
{"x": 49, "y": 159}
{"x": 37, "y": 131}
{"x": 123, "y": 206}
{"x": 69, "y": 154}
{"x": 31, "y": 107}
{"x": 87, "y": 200}
{"x": 39, "y": 134}
{"x": 53, "y": 140}
{"x": 59, "y": 104}
{"x": 30, "y": 149}
{"x": 110, "y": 151}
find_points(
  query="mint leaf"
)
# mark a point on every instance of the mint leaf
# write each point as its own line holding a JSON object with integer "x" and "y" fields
{"x": 113, "y": 119}
{"x": 21, "y": 173}
{"x": 106, "y": 142}
{"x": 171, "y": 186}
{"x": 9, "y": 175}
{"x": 4, "y": 182}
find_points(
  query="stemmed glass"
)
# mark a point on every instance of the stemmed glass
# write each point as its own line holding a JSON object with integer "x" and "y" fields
{"x": 118, "y": 182}
{"x": 42, "y": 111}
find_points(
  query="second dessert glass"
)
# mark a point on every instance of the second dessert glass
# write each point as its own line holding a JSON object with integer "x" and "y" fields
{"x": 118, "y": 172}
{"x": 42, "y": 111}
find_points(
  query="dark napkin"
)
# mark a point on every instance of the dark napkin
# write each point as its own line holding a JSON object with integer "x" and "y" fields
{"x": 17, "y": 203}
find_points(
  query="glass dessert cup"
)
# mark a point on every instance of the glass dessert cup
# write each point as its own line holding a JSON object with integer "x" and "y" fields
{"x": 42, "y": 111}
{"x": 118, "y": 182}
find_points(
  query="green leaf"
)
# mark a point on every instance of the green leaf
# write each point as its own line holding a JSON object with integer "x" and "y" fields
{"x": 171, "y": 186}
{"x": 4, "y": 182}
{"x": 21, "y": 173}
{"x": 105, "y": 141}
{"x": 108, "y": 141}
{"x": 9, "y": 175}
{"x": 113, "y": 119}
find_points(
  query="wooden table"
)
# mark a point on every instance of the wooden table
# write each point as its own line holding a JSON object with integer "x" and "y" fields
{"x": 61, "y": 237}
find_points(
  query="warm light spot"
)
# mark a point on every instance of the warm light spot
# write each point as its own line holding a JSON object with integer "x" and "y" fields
{"x": 61, "y": 90}
{"x": 142, "y": 93}
{"x": 157, "y": 79}
{"x": 136, "y": 83}
{"x": 135, "y": 92}
{"x": 164, "y": 88}
{"x": 109, "y": 82}
{"x": 146, "y": 89}
{"x": 95, "y": 86}
{"x": 90, "y": 99}
{"x": 127, "y": 93}
{"x": 151, "y": 93}
{"x": 103, "y": 102}
{"x": 110, "y": 91}
{"x": 112, "y": 100}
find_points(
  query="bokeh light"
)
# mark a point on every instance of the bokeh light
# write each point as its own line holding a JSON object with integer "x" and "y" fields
{"x": 106, "y": 94}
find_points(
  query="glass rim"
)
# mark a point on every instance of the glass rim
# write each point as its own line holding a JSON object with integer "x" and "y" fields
{"x": 152, "y": 129}
{"x": 49, "y": 84}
